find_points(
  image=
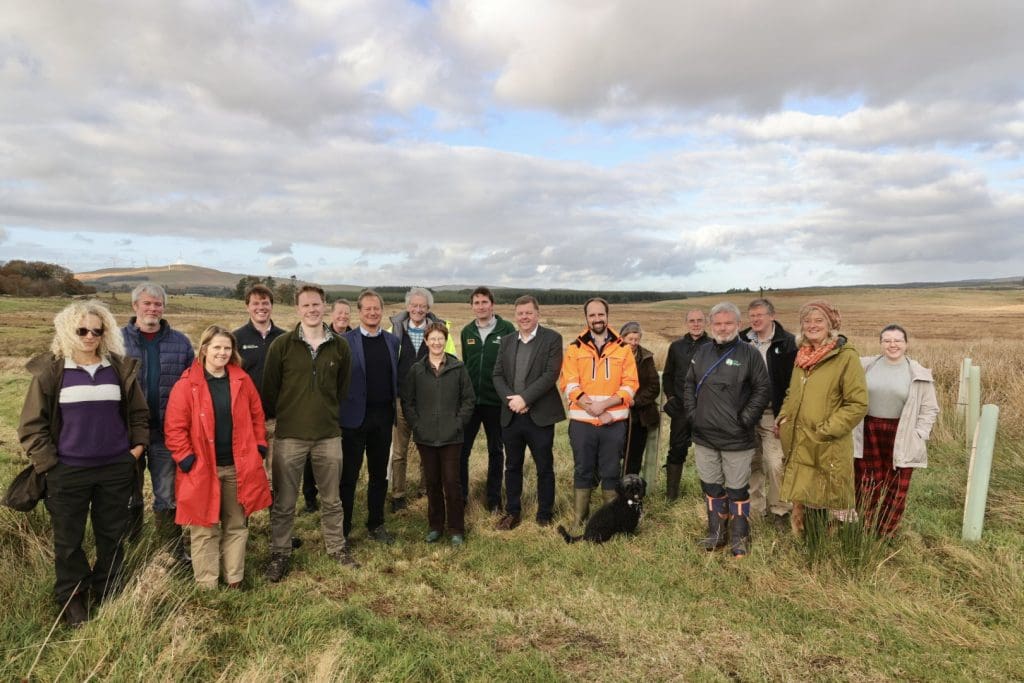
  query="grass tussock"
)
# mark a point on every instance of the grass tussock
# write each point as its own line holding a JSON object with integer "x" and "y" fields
{"x": 523, "y": 605}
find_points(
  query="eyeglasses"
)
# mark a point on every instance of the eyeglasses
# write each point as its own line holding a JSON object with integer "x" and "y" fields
{"x": 95, "y": 331}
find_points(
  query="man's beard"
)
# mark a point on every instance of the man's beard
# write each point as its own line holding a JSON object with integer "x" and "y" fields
{"x": 726, "y": 339}
{"x": 598, "y": 328}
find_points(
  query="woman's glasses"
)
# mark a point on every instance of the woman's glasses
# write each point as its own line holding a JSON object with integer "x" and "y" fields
{"x": 94, "y": 331}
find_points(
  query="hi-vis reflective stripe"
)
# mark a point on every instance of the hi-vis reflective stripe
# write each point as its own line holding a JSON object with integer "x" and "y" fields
{"x": 628, "y": 390}
{"x": 571, "y": 387}
{"x": 619, "y": 413}
{"x": 607, "y": 367}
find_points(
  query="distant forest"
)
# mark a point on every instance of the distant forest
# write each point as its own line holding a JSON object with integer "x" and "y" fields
{"x": 284, "y": 291}
{"x": 36, "y": 278}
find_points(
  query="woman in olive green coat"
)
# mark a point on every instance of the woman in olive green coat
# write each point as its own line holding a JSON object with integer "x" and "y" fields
{"x": 827, "y": 398}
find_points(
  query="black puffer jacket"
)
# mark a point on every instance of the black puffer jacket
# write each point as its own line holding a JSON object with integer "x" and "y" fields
{"x": 732, "y": 397}
{"x": 781, "y": 354}
{"x": 677, "y": 364}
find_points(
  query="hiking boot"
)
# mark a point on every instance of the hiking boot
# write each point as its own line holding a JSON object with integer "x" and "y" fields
{"x": 278, "y": 567}
{"x": 75, "y": 612}
{"x": 312, "y": 505}
{"x": 381, "y": 535}
{"x": 398, "y": 504}
{"x": 344, "y": 557}
{"x": 508, "y": 522}
{"x": 457, "y": 540}
{"x": 433, "y": 536}
{"x": 718, "y": 513}
{"x": 781, "y": 523}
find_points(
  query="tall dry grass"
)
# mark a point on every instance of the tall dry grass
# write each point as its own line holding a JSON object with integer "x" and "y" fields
{"x": 524, "y": 606}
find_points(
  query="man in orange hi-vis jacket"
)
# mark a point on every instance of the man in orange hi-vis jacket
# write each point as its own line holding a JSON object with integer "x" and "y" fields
{"x": 599, "y": 380}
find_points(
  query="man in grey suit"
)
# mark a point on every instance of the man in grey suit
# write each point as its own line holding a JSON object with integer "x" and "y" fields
{"x": 525, "y": 374}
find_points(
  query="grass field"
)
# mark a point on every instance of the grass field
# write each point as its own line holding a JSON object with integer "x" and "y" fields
{"x": 522, "y": 605}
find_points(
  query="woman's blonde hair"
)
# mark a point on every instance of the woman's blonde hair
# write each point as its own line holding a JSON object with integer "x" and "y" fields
{"x": 65, "y": 340}
{"x": 217, "y": 331}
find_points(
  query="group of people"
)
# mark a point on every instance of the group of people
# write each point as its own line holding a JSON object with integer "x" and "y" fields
{"x": 259, "y": 414}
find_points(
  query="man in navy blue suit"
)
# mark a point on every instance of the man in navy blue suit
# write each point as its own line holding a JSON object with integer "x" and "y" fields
{"x": 367, "y": 414}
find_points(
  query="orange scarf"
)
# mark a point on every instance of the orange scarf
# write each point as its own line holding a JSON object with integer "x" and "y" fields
{"x": 807, "y": 357}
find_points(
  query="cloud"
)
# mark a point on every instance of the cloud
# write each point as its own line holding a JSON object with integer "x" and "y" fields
{"x": 276, "y": 248}
{"x": 665, "y": 142}
{"x": 615, "y": 55}
{"x": 123, "y": 242}
{"x": 78, "y": 237}
{"x": 281, "y": 263}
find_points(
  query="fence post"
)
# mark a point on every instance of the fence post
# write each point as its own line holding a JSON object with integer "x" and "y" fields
{"x": 978, "y": 474}
{"x": 973, "y": 405}
{"x": 961, "y": 394}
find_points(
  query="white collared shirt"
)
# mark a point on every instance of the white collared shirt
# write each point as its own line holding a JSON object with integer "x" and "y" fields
{"x": 529, "y": 338}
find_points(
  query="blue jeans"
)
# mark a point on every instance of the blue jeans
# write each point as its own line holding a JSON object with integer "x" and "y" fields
{"x": 161, "y": 472}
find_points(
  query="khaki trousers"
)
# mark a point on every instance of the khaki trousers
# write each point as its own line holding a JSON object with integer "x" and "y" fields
{"x": 766, "y": 471}
{"x": 289, "y": 461}
{"x": 221, "y": 545}
{"x": 400, "y": 442}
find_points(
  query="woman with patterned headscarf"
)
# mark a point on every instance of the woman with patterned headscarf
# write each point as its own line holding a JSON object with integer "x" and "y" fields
{"x": 827, "y": 398}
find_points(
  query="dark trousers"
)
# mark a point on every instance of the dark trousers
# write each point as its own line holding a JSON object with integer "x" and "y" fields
{"x": 490, "y": 418}
{"x": 679, "y": 438}
{"x": 308, "y": 481}
{"x": 596, "y": 451}
{"x": 444, "y": 491}
{"x": 102, "y": 494}
{"x": 520, "y": 433}
{"x": 373, "y": 438}
{"x": 635, "y": 445}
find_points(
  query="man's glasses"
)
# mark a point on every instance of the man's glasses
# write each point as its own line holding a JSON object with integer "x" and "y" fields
{"x": 95, "y": 331}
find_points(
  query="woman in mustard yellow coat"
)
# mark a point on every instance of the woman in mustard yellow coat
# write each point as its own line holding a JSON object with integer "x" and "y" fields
{"x": 827, "y": 398}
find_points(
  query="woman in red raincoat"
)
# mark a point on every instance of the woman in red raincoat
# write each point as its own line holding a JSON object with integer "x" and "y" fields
{"x": 214, "y": 428}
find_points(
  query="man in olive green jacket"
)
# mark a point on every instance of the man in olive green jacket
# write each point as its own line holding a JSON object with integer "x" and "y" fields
{"x": 306, "y": 374}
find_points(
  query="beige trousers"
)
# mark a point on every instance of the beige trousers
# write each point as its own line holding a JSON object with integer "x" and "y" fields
{"x": 221, "y": 546}
{"x": 289, "y": 462}
{"x": 400, "y": 442}
{"x": 766, "y": 470}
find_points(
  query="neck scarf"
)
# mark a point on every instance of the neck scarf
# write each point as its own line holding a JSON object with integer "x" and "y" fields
{"x": 807, "y": 357}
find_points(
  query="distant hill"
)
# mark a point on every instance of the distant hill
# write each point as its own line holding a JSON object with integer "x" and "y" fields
{"x": 174, "y": 276}
{"x": 185, "y": 278}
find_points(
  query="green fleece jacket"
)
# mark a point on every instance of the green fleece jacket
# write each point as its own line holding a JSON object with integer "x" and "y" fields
{"x": 480, "y": 356}
{"x": 302, "y": 390}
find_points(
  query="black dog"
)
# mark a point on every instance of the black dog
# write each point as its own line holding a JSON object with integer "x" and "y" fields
{"x": 620, "y": 516}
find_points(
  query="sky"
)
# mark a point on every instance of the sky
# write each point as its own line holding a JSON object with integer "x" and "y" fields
{"x": 605, "y": 144}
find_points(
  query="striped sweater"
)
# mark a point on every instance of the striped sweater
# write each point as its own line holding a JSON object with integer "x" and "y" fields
{"x": 93, "y": 432}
